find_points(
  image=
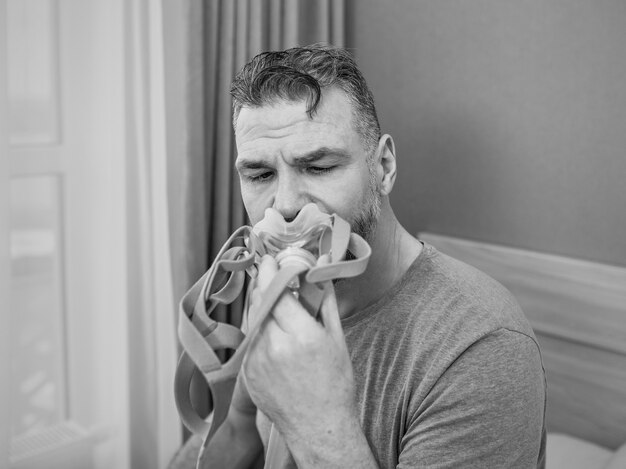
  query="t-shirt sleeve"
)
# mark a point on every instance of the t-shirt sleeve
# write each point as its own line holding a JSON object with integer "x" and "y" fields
{"x": 486, "y": 410}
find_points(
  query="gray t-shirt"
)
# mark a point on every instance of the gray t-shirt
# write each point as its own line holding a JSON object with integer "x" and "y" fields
{"x": 448, "y": 372}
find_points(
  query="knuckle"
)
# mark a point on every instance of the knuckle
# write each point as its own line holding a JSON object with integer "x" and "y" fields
{"x": 277, "y": 350}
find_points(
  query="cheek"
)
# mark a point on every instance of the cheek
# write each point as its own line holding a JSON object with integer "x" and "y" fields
{"x": 347, "y": 199}
{"x": 254, "y": 204}
{"x": 255, "y": 213}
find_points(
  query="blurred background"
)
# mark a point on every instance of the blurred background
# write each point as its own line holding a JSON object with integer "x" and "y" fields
{"x": 118, "y": 188}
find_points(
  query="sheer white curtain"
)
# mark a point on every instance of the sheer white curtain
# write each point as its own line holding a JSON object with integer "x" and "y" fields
{"x": 129, "y": 360}
{"x": 154, "y": 425}
{"x": 4, "y": 256}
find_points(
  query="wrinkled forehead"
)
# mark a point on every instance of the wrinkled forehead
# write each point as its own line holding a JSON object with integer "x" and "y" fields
{"x": 286, "y": 130}
{"x": 334, "y": 108}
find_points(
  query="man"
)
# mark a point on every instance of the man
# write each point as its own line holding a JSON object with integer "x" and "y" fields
{"x": 421, "y": 361}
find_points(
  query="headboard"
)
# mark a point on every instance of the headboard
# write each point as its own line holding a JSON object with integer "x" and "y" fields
{"x": 578, "y": 311}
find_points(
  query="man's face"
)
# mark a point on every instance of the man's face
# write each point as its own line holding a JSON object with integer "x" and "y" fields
{"x": 286, "y": 160}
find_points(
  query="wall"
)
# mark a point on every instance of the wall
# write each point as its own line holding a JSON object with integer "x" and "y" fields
{"x": 509, "y": 118}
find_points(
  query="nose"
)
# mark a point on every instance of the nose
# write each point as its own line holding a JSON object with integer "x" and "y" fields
{"x": 289, "y": 197}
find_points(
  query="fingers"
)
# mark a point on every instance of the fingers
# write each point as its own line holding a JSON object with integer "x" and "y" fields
{"x": 265, "y": 273}
{"x": 290, "y": 315}
{"x": 287, "y": 312}
{"x": 324, "y": 259}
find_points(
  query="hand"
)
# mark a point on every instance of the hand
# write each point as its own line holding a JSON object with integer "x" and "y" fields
{"x": 297, "y": 369}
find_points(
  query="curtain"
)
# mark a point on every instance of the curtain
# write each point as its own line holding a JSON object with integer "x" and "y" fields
{"x": 221, "y": 35}
{"x": 153, "y": 419}
{"x": 5, "y": 258}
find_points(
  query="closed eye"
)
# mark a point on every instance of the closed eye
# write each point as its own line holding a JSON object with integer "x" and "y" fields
{"x": 320, "y": 169}
{"x": 264, "y": 176}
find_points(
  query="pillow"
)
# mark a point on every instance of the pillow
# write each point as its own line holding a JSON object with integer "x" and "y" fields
{"x": 618, "y": 461}
{"x": 569, "y": 452}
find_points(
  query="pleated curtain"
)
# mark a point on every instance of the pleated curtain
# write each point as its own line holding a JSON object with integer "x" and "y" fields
{"x": 221, "y": 36}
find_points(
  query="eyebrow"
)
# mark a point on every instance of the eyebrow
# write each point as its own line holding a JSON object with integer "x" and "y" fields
{"x": 300, "y": 160}
{"x": 320, "y": 153}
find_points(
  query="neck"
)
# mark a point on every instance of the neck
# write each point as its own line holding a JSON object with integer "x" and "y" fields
{"x": 393, "y": 252}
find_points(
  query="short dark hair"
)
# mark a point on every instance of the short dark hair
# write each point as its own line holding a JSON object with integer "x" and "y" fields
{"x": 302, "y": 73}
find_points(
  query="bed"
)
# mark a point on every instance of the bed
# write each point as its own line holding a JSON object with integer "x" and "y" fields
{"x": 578, "y": 311}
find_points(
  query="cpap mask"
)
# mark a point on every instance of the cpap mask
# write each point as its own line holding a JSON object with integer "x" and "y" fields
{"x": 310, "y": 252}
{"x": 296, "y": 243}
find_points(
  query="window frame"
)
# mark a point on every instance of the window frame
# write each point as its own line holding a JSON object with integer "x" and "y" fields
{"x": 89, "y": 158}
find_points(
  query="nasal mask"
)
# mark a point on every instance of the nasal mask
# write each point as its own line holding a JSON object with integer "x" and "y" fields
{"x": 297, "y": 241}
{"x": 311, "y": 252}
{"x": 300, "y": 244}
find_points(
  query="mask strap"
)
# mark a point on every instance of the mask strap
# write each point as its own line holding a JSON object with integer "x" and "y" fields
{"x": 343, "y": 241}
{"x": 201, "y": 336}
{"x": 200, "y": 344}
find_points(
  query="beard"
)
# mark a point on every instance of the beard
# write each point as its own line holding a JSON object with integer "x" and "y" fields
{"x": 365, "y": 221}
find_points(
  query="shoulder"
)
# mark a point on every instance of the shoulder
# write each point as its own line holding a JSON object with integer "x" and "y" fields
{"x": 440, "y": 309}
{"x": 444, "y": 309}
{"x": 453, "y": 295}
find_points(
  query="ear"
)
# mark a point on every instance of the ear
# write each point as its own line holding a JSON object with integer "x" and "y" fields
{"x": 386, "y": 164}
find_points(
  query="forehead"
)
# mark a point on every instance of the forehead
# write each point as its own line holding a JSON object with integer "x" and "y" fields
{"x": 286, "y": 126}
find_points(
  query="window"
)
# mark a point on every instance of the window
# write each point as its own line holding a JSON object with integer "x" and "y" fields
{"x": 64, "y": 140}
{"x": 84, "y": 234}
{"x": 38, "y": 390}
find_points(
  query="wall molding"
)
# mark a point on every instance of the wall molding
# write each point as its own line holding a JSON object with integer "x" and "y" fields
{"x": 567, "y": 298}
